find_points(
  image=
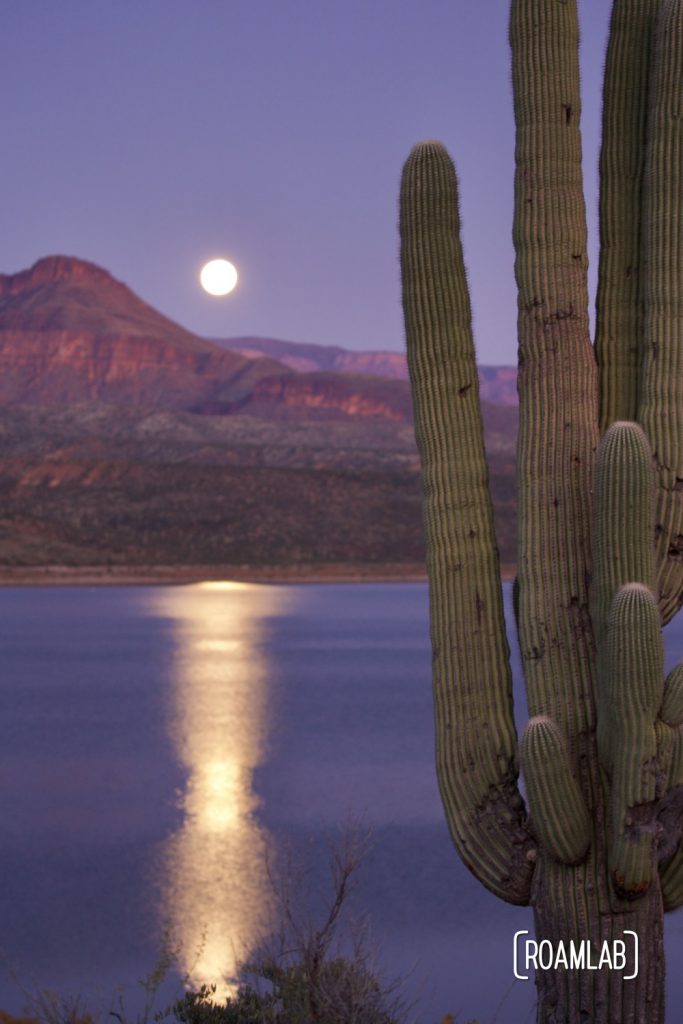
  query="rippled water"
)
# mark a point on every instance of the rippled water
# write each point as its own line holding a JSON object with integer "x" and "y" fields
{"x": 158, "y": 742}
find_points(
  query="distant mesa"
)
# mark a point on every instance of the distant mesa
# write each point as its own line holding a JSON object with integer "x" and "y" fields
{"x": 497, "y": 384}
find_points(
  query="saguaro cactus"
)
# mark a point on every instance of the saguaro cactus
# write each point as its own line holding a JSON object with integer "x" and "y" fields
{"x": 600, "y": 561}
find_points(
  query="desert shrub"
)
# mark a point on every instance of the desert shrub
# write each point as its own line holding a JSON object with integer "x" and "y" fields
{"x": 315, "y": 967}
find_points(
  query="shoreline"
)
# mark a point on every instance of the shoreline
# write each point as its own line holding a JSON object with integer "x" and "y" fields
{"x": 183, "y": 575}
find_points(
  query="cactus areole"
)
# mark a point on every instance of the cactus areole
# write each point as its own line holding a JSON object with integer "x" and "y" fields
{"x": 597, "y": 852}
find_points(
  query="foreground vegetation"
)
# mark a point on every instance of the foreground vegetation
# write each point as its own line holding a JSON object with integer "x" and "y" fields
{"x": 317, "y": 967}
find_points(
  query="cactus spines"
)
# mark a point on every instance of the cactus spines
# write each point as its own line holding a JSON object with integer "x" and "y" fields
{"x": 603, "y": 752}
{"x": 558, "y": 809}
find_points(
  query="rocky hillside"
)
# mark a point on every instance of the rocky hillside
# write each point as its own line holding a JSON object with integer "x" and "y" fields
{"x": 70, "y": 332}
{"x": 126, "y": 440}
{"x": 93, "y": 484}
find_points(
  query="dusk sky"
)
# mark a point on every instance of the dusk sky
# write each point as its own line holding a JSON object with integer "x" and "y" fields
{"x": 151, "y": 136}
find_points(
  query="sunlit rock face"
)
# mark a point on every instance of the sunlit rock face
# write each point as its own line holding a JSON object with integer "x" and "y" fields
{"x": 330, "y": 396}
{"x": 215, "y": 888}
{"x": 70, "y": 332}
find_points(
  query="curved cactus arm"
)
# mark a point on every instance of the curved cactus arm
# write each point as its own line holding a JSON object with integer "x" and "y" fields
{"x": 475, "y": 734}
{"x": 672, "y": 702}
{"x": 671, "y": 873}
{"x": 624, "y": 118}
{"x": 660, "y": 408}
{"x": 559, "y": 814}
{"x": 557, "y": 382}
{"x": 634, "y": 664}
{"x": 666, "y": 738}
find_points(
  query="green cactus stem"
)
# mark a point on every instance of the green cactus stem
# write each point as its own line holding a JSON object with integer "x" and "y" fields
{"x": 623, "y": 530}
{"x": 672, "y": 704}
{"x": 623, "y": 521}
{"x": 558, "y": 809}
{"x": 660, "y": 405}
{"x": 634, "y": 666}
{"x": 622, "y": 163}
{"x": 603, "y": 753}
{"x": 557, "y": 379}
{"x": 672, "y": 871}
{"x": 475, "y": 734}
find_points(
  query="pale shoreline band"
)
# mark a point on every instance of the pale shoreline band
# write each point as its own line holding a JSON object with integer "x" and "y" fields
{"x": 156, "y": 575}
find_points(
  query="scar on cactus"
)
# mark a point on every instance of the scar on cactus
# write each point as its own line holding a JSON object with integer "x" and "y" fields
{"x": 599, "y": 470}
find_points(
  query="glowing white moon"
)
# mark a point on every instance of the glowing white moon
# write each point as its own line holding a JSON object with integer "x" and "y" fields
{"x": 218, "y": 277}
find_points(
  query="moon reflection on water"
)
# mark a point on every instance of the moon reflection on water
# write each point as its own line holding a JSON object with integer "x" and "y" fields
{"x": 216, "y": 897}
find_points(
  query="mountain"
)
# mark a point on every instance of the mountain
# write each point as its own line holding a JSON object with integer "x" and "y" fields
{"x": 497, "y": 384}
{"x": 126, "y": 441}
{"x": 62, "y": 294}
{"x": 70, "y": 332}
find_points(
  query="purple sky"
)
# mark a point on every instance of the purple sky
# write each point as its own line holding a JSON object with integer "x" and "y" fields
{"x": 151, "y": 136}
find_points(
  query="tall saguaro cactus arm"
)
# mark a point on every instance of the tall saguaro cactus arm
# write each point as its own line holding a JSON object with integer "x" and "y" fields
{"x": 557, "y": 379}
{"x": 622, "y": 167}
{"x": 638, "y": 343}
{"x": 660, "y": 405}
{"x": 476, "y": 738}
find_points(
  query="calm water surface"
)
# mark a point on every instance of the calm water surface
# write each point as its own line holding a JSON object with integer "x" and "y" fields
{"x": 158, "y": 742}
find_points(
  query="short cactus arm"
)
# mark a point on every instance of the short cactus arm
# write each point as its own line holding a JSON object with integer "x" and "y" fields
{"x": 558, "y": 810}
{"x": 660, "y": 409}
{"x": 557, "y": 373}
{"x": 639, "y": 713}
{"x": 475, "y": 734}
{"x": 624, "y": 113}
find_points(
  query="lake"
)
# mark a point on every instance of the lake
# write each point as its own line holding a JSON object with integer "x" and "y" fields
{"x": 160, "y": 743}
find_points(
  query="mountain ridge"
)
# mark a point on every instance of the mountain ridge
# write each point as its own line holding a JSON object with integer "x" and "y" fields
{"x": 70, "y": 332}
{"x": 126, "y": 440}
{"x": 497, "y": 384}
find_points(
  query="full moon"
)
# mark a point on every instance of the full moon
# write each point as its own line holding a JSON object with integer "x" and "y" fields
{"x": 218, "y": 277}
